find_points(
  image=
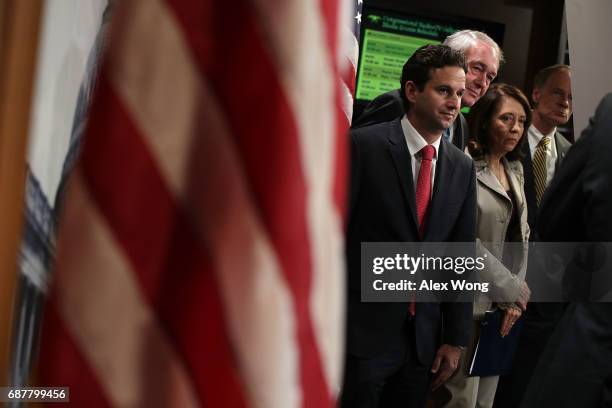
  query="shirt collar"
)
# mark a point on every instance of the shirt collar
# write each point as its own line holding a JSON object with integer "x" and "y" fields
{"x": 415, "y": 141}
{"x": 535, "y": 135}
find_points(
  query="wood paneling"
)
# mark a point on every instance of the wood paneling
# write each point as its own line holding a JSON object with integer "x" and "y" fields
{"x": 19, "y": 28}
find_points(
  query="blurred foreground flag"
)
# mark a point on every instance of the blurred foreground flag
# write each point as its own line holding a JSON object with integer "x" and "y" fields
{"x": 351, "y": 55}
{"x": 200, "y": 255}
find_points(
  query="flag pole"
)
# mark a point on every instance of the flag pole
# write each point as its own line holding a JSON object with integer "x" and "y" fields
{"x": 18, "y": 46}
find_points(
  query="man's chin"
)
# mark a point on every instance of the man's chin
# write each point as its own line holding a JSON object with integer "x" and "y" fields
{"x": 468, "y": 101}
{"x": 444, "y": 125}
{"x": 559, "y": 120}
{"x": 448, "y": 121}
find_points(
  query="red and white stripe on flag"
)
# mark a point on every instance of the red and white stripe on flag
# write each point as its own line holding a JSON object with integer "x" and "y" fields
{"x": 200, "y": 257}
{"x": 349, "y": 71}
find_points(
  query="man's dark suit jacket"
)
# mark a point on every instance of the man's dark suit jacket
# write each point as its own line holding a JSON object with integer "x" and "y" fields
{"x": 383, "y": 209}
{"x": 576, "y": 367}
{"x": 562, "y": 146}
{"x": 389, "y": 106}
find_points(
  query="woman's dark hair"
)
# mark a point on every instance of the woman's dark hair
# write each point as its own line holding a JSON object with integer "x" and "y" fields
{"x": 481, "y": 115}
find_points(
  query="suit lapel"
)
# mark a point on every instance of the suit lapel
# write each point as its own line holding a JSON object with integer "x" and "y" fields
{"x": 560, "y": 151}
{"x": 403, "y": 165}
{"x": 551, "y": 189}
{"x": 442, "y": 186}
{"x": 528, "y": 172}
{"x": 460, "y": 131}
{"x": 486, "y": 177}
{"x": 515, "y": 184}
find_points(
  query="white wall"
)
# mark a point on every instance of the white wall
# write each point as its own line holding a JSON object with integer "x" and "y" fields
{"x": 68, "y": 31}
{"x": 589, "y": 25}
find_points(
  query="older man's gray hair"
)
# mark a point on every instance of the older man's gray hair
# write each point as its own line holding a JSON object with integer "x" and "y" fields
{"x": 464, "y": 39}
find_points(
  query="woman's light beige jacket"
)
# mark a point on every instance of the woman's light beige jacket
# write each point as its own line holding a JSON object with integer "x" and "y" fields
{"x": 492, "y": 220}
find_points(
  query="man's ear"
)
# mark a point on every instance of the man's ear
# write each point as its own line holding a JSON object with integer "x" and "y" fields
{"x": 535, "y": 95}
{"x": 411, "y": 91}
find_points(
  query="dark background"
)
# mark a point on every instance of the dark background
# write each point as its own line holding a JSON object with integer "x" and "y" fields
{"x": 535, "y": 34}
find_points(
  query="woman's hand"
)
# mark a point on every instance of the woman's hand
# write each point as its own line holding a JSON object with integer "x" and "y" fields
{"x": 511, "y": 315}
{"x": 524, "y": 296}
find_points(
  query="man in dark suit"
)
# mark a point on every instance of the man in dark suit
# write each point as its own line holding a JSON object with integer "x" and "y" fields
{"x": 483, "y": 58}
{"x": 408, "y": 185}
{"x": 575, "y": 369}
{"x": 552, "y": 98}
{"x": 543, "y": 155}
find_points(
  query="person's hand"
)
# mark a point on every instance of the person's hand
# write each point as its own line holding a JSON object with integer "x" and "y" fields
{"x": 524, "y": 296}
{"x": 511, "y": 315}
{"x": 445, "y": 364}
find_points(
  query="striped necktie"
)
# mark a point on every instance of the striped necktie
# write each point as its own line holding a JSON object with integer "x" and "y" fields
{"x": 539, "y": 168}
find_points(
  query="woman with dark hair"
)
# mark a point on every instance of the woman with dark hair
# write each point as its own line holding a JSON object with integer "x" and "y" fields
{"x": 498, "y": 125}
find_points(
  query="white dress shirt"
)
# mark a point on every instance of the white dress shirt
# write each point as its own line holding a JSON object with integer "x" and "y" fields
{"x": 534, "y": 136}
{"x": 415, "y": 143}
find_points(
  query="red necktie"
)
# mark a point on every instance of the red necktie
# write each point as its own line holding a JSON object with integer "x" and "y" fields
{"x": 423, "y": 187}
{"x": 423, "y": 193}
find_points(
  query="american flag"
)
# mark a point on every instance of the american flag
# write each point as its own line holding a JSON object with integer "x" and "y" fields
{"x": 352, "y": 33}
{"x": 200, "y": 250}
{"x": 358, "y": 6}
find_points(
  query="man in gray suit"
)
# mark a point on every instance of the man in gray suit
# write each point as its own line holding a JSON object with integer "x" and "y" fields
{"x": 483, "y": 58}
{"x": 543, "y": 155}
